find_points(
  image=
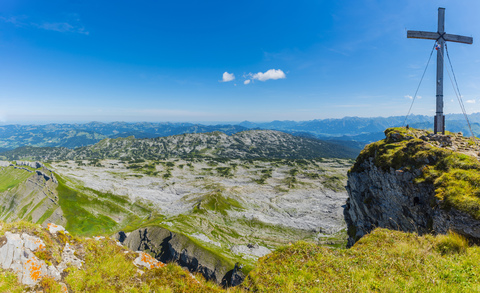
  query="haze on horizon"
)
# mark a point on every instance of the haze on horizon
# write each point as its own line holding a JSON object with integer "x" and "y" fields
{"x": 187, "y": 61}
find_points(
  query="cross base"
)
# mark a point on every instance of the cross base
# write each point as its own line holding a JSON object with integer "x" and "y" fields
{"x": 439, "y": 124}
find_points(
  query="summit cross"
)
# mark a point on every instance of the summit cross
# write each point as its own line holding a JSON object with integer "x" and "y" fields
{"x": 441, "y": 37}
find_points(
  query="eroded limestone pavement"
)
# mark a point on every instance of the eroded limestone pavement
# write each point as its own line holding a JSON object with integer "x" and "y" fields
{"x": 19, "y": 253}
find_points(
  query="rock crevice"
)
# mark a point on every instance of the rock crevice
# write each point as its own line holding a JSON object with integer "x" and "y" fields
{"x": 167, "y": 246}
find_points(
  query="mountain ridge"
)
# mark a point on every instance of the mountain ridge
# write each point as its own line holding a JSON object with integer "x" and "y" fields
{"x": 246, "y": 144}
{"x": 350, "y": 130}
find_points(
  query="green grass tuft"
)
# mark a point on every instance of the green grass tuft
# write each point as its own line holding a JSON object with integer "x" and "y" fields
{"x": 216, "y": 202}
{"x": 451, "y": 243}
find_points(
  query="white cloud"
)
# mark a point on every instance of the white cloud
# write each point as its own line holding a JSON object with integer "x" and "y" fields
{"x": 270, "y": 74}
{"x": 227, "y": 77}
{"x": 470, "y": 101}
{"x": 72, "y": 25}
{"x": 247, "y": 81}
{"x": 411, "y": 98}
{"x": 63, "y": 27}
{"x": 13, "y": 20}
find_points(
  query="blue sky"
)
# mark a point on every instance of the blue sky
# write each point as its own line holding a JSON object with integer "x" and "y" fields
{"x": 146, "y": 60}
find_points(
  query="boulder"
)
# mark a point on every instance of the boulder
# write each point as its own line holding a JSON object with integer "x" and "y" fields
{"x": 145, "y": 260}
{"x": 17, "y": 254}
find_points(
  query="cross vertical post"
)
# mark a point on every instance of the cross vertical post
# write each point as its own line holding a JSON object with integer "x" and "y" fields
{"x": 441, "y": 37}
{"x": 439, "y": 122}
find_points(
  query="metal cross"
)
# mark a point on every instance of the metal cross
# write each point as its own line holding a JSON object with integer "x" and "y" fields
{"x": 441, "y": 37}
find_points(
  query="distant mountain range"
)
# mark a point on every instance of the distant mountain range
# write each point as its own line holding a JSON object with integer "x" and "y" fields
{"x": 365, "y": 130}
{"x": 354, "y": 132}
{"x": 77, "y": 135}
{"x": 251, "y": 144}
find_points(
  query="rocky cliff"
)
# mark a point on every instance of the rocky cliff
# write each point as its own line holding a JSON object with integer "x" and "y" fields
{"x": 415, "y": 181}
{"x": 167, "y": 247}
{"x": 28, "y": 190}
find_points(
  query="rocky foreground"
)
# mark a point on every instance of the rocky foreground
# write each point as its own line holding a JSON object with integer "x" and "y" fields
{"x": 33, "y": 258}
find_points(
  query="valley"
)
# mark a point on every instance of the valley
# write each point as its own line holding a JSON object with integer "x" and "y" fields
{"x": 235, "y": 209}
{"x": 276, "y": 192}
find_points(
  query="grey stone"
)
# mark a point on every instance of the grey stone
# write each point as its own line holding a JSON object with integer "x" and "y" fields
{"x": 254, "y": 250}
{"x": 34, "y": 165}
{"x": 17, "y": 255}
{"x": 33, "y": 243}
{"x": 68, "y": 259}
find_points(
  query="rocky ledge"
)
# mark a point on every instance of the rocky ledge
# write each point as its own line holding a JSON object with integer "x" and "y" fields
{"x": 415, "y": 181}
{"x": 167, "y": 246}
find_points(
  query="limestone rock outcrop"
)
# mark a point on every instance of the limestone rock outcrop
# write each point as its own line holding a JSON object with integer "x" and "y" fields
{"x": 18, "y": 253}
{"x": 388, "y": 200}
{"x": 37, "y": 254}
{"x": 5, "y": 164}
{"x": 145, "y": 260}
{"x": 395, "y": 191}
{"x": 34, "y": 165}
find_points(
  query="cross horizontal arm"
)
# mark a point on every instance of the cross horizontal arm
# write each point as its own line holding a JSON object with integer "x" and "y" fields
{"x": 422, "y": 35}
{"x": 458, "y": 39}
{"x": 434, "y": 36}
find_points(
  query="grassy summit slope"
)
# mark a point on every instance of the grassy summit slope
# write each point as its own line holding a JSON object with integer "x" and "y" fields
{"x": 383, "y": 261}
{"x": 449, "y": 162}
